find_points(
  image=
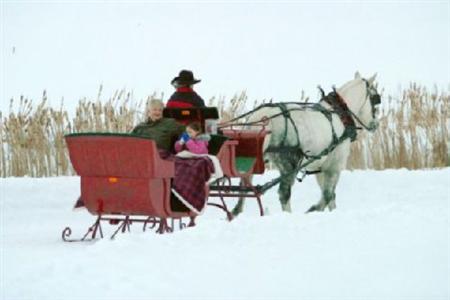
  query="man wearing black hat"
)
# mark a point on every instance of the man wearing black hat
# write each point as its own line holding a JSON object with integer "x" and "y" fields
{"x": 185, "y": 96}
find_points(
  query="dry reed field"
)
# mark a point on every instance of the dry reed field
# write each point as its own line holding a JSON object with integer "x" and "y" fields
{"x": 413, "y": 133}
{"x": 413, "y": 130}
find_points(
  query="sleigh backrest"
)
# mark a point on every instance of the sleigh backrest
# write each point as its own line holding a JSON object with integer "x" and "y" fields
{"x": 120, "y": 155}
{"x": 249, "y": 150}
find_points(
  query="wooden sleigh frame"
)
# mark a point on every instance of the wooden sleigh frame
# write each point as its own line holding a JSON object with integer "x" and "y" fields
{"x": 241, "y": 162}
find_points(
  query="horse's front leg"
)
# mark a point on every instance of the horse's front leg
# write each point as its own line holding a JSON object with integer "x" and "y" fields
{"x": 327, "y": 182}
{"x": 284, "y": 191}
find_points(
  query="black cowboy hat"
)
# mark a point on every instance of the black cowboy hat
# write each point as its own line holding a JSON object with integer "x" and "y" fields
{"x": 185, "y": 77}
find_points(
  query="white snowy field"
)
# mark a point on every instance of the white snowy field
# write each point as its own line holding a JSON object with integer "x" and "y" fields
{"x": 388, "y": 239}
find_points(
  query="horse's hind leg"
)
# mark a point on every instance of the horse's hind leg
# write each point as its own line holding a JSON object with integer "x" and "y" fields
{"x": 327, "y": 182}
{"x": 239, "y": 207}
{"x": 240, "y": 204}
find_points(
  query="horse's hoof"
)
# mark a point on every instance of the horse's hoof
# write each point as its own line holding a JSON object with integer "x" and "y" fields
{"x": 331, "y": 206}
{"x": 235, "y": 212}
{"x": 311, "y": 209}
{"x": 286, "y": 208}
{"x": 316, "y": 207}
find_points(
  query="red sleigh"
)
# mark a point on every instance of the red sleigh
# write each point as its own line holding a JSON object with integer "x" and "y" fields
{"x": 124, "y": 180}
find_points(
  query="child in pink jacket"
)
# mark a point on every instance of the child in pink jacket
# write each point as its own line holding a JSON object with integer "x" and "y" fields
{"x": 192, "y": 140}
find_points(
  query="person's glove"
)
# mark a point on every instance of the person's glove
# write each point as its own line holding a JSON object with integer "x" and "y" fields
{"x": 185, "y": 137}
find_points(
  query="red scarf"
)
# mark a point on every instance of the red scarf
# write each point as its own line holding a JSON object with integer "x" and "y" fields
{"x": 185, "y": 89}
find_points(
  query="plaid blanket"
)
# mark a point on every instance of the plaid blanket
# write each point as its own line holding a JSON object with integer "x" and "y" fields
{"x": 191, "y": 175}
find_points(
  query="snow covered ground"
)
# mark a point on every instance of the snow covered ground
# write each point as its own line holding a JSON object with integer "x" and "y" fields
{"x": 388, "y": 239}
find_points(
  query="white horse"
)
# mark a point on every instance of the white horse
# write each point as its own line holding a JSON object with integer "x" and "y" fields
{"x": 316, "y": 137}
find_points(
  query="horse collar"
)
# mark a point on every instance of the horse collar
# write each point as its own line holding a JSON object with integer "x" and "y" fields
{"x": 340, "y": 107}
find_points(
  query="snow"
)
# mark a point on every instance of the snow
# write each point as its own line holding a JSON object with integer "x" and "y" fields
{"x": 388, "y": 239}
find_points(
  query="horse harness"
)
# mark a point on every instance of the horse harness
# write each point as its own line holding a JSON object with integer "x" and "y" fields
{"x": 295, "y": 152}
{"x": 301, "y": 159}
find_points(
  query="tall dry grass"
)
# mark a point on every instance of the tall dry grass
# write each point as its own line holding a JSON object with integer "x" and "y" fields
{"x": 32, "y": 140}
{"x": 413, "y": 130}
{"x": 32, "y": 136}
{"x": 413, "y": 133}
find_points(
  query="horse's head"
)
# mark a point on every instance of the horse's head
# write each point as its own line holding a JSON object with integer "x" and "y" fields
{"x": 363, "y": 99}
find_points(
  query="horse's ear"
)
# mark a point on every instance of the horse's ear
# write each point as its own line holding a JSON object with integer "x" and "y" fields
{"x": 372, "y": 79}
{"x": 357, "y": 75}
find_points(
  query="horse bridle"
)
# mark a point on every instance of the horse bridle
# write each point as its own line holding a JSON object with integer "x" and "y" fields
{"x": 373, "y": 95}
{"x": 374, "y": 99}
